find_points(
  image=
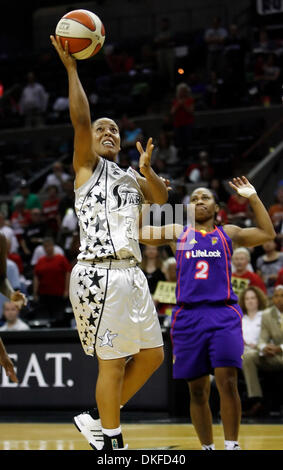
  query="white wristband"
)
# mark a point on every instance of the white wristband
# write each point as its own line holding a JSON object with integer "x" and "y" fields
{"x": 247, "y": 192}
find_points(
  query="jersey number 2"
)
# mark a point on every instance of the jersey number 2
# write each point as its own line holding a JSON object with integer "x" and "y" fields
{"x": 203, "y": 268}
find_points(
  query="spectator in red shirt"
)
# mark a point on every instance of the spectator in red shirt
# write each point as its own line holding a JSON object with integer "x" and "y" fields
{"x": 238, "y": 208}
{"x": 51, "y": 284}
{"x": 201, "y": 171}
{"x": 242, "y": 277}
{"x": 222, "y": 216}
{"x": 50, "y": 210}
{"x": 182, "y": 111}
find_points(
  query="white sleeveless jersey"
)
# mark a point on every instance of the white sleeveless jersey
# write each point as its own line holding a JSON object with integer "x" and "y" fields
{"x": 107, "y": 207}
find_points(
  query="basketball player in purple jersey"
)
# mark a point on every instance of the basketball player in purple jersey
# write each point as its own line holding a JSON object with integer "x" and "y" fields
{"x": 206, "y": 327}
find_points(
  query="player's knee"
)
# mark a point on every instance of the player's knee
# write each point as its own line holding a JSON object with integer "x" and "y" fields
{"x": 113, "y": 369}
{"x": 228, "y": 384}
{"x": 199, "y": 395}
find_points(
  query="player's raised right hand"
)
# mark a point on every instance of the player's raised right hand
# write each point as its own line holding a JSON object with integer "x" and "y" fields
{"x": 243, "y": 187}
{"x": 68, "y": 61}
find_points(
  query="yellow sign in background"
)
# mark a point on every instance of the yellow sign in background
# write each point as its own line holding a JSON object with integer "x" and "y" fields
{"x": 165, "y": 292}
{"x": 239, "y": 284}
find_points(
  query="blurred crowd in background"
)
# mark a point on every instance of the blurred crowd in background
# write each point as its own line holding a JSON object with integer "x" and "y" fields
{"x": 222, "y": 68}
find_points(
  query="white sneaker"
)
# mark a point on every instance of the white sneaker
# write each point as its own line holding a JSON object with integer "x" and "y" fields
{"x": 235, "y": 447}
{"x": 91, "y": 429}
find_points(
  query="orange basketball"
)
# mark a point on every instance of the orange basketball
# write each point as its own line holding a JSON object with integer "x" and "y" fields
{"x": 84, "y": 32}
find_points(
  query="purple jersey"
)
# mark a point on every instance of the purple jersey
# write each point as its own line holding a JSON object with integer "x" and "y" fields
{"x": 204, "y": 267}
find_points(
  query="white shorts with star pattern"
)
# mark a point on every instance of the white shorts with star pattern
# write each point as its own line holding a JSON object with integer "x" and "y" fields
{"x": 114, "y": 311}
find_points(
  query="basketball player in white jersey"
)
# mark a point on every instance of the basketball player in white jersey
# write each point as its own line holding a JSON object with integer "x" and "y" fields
{"x": 115, "y": 315}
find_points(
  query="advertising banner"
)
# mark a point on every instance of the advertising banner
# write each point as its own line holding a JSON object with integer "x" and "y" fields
{"x": 54, "y": 373}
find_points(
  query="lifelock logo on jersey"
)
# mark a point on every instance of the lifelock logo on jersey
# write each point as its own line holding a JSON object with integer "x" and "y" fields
{"x": 203, "y": 254}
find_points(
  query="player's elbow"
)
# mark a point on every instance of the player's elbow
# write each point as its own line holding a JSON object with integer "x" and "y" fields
{"x": 270, "y": 238}
{"x": 270, "y": 235}
{"x": 267, "y": 237}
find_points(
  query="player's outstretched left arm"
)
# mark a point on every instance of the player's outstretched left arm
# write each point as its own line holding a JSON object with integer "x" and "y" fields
{"x": 160, "y": 236}
{"x": 264, "y": 230}
{"x": 153, "y": 187}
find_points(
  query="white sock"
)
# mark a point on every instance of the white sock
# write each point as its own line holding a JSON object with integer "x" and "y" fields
{"x": 112, "y": 432}
{"x": 229, "y": 445}
{"x": 121, "y": 406}
{"x": 208, "y": 447}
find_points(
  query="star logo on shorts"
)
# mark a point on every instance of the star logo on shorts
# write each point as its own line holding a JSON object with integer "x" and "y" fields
{"x": 106, "y": 339}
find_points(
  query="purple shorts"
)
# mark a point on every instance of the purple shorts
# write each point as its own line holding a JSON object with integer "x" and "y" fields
{"x": 204, "y": 337}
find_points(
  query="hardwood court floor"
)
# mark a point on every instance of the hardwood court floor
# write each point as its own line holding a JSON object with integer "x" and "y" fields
{"x": 59, "y": 436}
